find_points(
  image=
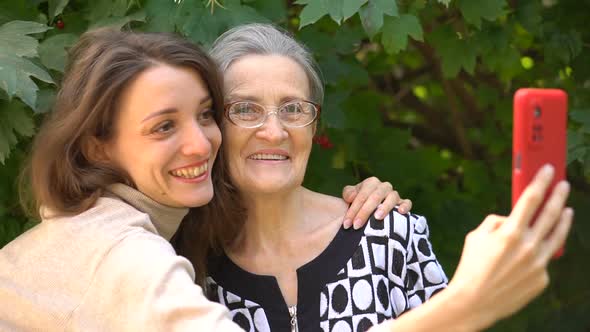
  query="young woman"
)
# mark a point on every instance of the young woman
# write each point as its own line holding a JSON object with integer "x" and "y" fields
{"x": 128, "y": 149}
{"x": 292, "y": 266}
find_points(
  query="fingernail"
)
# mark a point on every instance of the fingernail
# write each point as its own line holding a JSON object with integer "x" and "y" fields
{"x": 379, "y": 214}
{"x": 401, "y": 210}
{"x": 347, "y": 223}
{"x": 547, "y": 170}
{"x": 357, "y": 223}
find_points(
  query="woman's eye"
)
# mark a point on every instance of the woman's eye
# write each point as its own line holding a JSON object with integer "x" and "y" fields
{"x": 164, "y": 127}
{"x": 245, "y": 109}
{"x": 207, "y": 116}
{"x": 292, "y": 108}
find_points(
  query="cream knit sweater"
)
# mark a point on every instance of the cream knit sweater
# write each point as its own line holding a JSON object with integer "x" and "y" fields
{"x": 109, "y": 268}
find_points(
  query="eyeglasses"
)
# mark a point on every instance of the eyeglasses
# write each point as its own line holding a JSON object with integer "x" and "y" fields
{"x": 247, "y": 114}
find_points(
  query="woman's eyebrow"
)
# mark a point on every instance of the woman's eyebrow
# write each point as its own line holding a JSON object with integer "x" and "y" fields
{"x": 238, "y": 96}
{"x": 158, "y": 113}
{"x": 206, "y": 100}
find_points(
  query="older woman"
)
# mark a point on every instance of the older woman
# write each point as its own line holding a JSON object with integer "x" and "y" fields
{"x": 292, "y": 266}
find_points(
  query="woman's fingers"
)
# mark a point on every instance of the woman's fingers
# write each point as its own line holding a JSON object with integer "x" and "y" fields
{"x": 491, "y": 223}
{"x": 373, "y": 201}
{"x": 349, "y": 193}
{"x": 362, "y": 191}
{"x": 551, "y": 212}
{"x": 557, "y": 238}
{"x": 531, "y": 199}
{"x": 405, "y": 206}
{"x": 391, "y": 200}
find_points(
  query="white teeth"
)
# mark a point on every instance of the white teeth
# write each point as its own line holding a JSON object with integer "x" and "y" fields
{"x": 268, "y": 156}
{"x": 190, "y": 172}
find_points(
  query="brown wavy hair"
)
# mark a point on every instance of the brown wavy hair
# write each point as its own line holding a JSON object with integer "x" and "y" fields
{"x": 61, "y": 173}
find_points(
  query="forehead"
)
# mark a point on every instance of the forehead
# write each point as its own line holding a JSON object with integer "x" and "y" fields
{"x": 164, "y": 86}
{"x": 266, "y": 77}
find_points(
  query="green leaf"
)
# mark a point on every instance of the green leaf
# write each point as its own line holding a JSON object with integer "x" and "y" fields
{"x": 372, "y": 15}
{"x": 362, "y": 110}
{"x": 455, "y": 53}
{"x": 371, "y": 18}
{"x": 13, "y": 120}
{"x": 563, "y": 46}
{"x": 275, "y": 10}
{"x": 14, "y": 39}
{"x": 581, "y": 116}
{"x": 45, "y": 100}
{"x": 101, "y": 9}
{"x": 202, "y": 27}
{"x": 335, "y": 8}
{"x": 351, "y": 7}
{"x": 52, "y": 50}
{"x": 15, "y": 70}
{"x": 56, "y": 7}
{"x": 396, "y": 31}
{"x": 474, "y": 11}
{"x": 386, "y": 6}
{"x": 332, "y": 114}
{"x": 238, "y": 14}
{"x": 528, "y": 13}
{"x": 161, "y": 16}
{"x": 18, "y": 10}
{"x": 118, "y": 22}
{"x": 577, "y": 148}
{"x": 312, "y": 12}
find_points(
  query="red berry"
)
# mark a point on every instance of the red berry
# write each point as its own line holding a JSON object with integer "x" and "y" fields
{"x": 323, "y": 141}
{"x": 60, "y": 24}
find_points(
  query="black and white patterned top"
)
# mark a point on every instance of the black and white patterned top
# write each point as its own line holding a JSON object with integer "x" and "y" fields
{"x": 362, "y": 278}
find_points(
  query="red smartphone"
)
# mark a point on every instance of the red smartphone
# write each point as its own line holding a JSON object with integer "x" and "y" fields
{"x": 539, "y": 137}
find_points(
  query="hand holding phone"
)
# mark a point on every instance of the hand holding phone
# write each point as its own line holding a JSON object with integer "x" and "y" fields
{"x": 539, "y": 137}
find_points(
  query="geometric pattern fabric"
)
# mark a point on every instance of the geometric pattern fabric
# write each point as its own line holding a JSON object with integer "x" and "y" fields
{"x": 392, "y": 270}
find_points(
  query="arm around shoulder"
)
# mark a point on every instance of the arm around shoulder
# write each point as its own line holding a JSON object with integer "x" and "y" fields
{"x": 142, "y": 285}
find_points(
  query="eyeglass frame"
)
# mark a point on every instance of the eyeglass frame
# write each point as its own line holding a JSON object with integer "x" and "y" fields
{"x": 227, "y": 106}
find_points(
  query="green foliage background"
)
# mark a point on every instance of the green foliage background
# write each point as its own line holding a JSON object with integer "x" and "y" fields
{"x": 418, "y": 93}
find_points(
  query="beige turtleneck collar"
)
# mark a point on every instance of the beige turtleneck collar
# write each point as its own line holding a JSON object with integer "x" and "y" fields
{"x": 165, "y": 218}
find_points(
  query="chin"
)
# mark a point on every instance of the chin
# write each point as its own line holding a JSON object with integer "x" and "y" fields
{"x": 196, "y": 198}
{"x": 272, "y": 187}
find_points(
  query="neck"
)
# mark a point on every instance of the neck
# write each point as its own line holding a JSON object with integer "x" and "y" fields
{"x": 274, "y": 220}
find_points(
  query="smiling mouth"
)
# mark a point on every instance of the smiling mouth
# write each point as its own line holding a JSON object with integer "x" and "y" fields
{"x": 190, "y": 172}
{"x": 268, "y": 156}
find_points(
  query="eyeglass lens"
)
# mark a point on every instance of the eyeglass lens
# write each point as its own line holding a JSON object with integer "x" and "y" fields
{"x": 299, "y": 113}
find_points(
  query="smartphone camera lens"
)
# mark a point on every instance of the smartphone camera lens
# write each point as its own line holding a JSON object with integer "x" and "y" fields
{"x": 537, "y": 112}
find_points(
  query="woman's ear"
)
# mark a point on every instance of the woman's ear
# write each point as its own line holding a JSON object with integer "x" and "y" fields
{"x": 95, "y": 150}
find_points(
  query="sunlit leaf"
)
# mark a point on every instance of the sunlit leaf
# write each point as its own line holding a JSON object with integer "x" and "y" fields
{"x": 372, "y": 14}
{"x": 52, "y": 50}
{"x": 313, "y": 11}
{"x": 15, "y": 69}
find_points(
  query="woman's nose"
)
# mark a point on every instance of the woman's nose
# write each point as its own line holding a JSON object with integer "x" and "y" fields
{"x": 272, "y": 130}
{"x": 195, "y": 142}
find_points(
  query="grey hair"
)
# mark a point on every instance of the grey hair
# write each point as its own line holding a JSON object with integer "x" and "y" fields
{"x": 266, "y": 39}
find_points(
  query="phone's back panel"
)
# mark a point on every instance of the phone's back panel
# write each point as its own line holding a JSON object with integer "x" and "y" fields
{"x": 539, "y": 135}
